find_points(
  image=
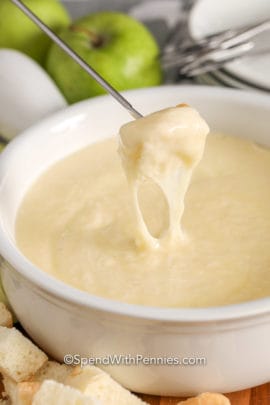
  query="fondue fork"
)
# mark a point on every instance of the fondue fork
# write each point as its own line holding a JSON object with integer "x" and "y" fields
{"x": 74, "y": 55}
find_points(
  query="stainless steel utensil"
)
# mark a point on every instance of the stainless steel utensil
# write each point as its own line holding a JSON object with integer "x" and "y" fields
{"x": 211, "y": 52}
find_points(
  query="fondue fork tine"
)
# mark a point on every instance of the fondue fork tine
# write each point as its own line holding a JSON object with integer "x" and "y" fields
{"x": 66, "y": 48}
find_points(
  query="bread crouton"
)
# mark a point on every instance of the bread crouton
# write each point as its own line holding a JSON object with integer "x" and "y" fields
{"x": 20, "y": 359}
{"x": 23, "y": 393}
{"x": 207, "y": 398}
{"x": 20, "y": 393}
{"x": 52, "y": 371}
{"x": 93, "y": 381}
{"x": 54, "y": 393}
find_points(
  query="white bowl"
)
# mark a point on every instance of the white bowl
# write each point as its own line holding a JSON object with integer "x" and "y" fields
{"x": 61, "y": 319}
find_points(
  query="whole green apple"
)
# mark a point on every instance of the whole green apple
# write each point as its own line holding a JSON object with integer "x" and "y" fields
{"x": 118, "y": 47}
{"x": 18, "y": 32}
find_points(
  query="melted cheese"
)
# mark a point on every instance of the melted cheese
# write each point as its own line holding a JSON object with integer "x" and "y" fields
{"x": 163, "y": 147}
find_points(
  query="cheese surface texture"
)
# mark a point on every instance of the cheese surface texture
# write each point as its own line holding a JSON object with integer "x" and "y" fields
{"x": 79, "y": 222}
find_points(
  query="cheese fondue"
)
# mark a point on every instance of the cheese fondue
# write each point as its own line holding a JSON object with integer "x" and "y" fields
{"x": 115, "y": 226}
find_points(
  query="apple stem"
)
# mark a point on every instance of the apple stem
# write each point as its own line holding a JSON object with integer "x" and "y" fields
{"x": 96, "y": 40}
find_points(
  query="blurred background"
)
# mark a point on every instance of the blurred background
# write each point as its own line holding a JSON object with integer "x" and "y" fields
{"x": 179, "y": 22}
{"x": 209, "y": 42}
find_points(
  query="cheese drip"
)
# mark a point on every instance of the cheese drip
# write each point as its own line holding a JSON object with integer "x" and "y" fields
{"x": 163, "y": 147}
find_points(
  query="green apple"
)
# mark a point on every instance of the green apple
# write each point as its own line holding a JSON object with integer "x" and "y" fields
{"x": 118, "y": 47}
{"x": 18, "y": 32}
